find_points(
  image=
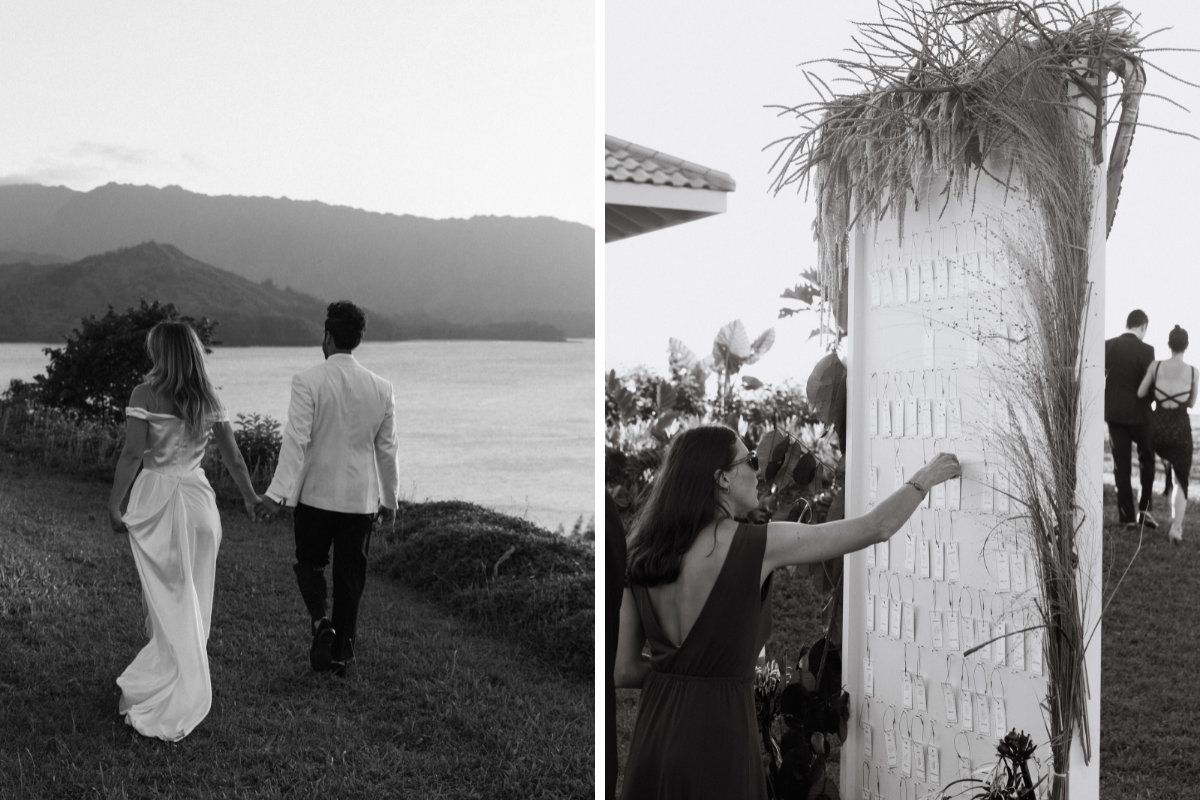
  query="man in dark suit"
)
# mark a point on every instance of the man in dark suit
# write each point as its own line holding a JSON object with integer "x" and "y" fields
{"x": 1126, "y": 358}
{"x": 614, "y": 588}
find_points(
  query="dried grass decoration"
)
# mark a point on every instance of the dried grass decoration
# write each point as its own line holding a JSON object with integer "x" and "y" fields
{"x": 970, "y": 91}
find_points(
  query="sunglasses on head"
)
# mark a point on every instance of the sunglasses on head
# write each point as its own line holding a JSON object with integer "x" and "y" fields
{"x": 750, "y": 458}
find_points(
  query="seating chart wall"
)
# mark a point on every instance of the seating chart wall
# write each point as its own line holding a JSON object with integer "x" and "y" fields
{"x": 937, "y": 332}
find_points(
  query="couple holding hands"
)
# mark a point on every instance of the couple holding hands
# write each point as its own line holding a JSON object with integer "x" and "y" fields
{"x": 337, "y": 468}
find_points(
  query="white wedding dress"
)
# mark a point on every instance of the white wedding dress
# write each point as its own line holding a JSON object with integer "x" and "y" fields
{"x": 174, "y": 532}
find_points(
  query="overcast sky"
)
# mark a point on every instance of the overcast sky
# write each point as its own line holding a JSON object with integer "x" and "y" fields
{"x": 439, "y": 109}
{"x": 692, "y": 79}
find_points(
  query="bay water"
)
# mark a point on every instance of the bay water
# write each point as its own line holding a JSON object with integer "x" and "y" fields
{"x": 507, "y": 425}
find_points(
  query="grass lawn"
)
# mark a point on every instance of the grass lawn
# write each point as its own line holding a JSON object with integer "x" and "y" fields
{"x": 1150, "y": 657}
{"x": 435, "y": 709}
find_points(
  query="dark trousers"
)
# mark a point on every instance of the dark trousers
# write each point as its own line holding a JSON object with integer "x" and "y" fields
{"x": 350, "y": 537}
{"x": 1123, "y": 438}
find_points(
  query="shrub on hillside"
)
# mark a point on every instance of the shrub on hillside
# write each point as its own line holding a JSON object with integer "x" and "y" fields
{"x": 507, "y": 574}
{"x": 467, "y": 553}
{"x": 94, "y": 373}
{"x": 554, "y": 616}
{"x": 415, "y": 518}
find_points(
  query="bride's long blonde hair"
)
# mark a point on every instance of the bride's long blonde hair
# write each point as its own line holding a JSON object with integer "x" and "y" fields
{"x": 178, "y": 372}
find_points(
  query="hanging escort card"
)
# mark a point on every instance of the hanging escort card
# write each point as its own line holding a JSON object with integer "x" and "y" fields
{"x": 939, "y": 418}
{"x": 927, "y": 279}
{"x": 910, "y": 549}
{"x": 954, "y": 494}
{"x": 870, "y": 606}
{"x": 941, "y": 278}
{"x": 910, "y": 417}
{"x": 885, "y": 288}
{"x": 934, "y": 764}
{"x": 935, "y": 625}
{"x": 954, "y": 417}
{"x": 1002, "y": 573}
{"x": 894, "y": 619}
{"x": 900, "y": 285}
{"x": 957, "y": 281}
{"x": 950, "y": 701}
{"x": 913, "y": 282}
{"x": 952, "y": 624}
{"x": 939, "y": 560}
{"x": 952, "y": 573}
{"x": 908, "y": 624}
{"x": 999, "y": 642}
{"x": 924, "y": 419}
{"x": 868, "y": 675}
{"x": 873, "y": 416}
{"x": 1035, "y": 653}
{"x": 1020, "y": 579}
{"x": 923, "y": 556}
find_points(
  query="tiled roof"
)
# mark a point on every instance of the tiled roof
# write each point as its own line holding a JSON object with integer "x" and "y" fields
{"x": 631, "y": 163}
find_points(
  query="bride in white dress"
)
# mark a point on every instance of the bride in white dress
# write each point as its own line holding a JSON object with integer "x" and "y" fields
{"x": 174, "y": 530}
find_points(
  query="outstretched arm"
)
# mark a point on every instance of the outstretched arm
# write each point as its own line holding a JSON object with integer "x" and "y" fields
{"x": 795, "y": 543}
{"x": 1144, "y": 388}
{"x": 231, "y": 457}
{"x": 631, "y": 667}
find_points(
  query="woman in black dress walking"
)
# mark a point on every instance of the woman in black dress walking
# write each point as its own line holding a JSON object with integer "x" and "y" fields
{"x": 1173, "y": 383}
{"x": 697, "y": 590}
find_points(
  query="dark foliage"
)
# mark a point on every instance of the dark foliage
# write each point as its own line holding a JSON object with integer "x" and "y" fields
{"x": 94, "y": 373}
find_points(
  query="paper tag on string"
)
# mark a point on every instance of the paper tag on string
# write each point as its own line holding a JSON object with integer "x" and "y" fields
{"x": 954, "y": 494}
{"x": 952, "y": 632}
{"x": 868, "y": 677}
{"x": 939, "y": 419}
{"x": 919, "y": 698}
{"x": 868, "y": 748}
{"x": 1020, "y": 579}
{"x": 894, "y": 619}
{"x": 935, "y": 625}
{"x": 923, "y": 556}
{"x": 1002, "y": 574}
{"x": 873, "y": 417}
{"x": 982, "y": 723}
{"x": 941, "y": 278}
{"x": 954, "y": 417}
{"x": 951, "y": 703}
{"x": 935, "y": 765}
{"x": 909, "y": 623}
{"x": 910, "y": 417}
{"x": 913, "y": 282}
{"x": 924, "y": 419}
{"x": 905, "y": 755}
{"x": 870, "y": 608}
{"x": 910, "y": 552}
{"x": 927, "y": 279}
{"x": 952, "y": 573}
{"x": 999, "y": 643}
{"x": 968, "y": 715}
{"x": 889, "y": 740}
{"x": 906, "y": 686}
{"x": 999, "y": 716}
{"x": 939, "y": 560}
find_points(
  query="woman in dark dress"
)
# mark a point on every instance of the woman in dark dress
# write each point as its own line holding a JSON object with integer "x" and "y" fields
{"x": 697, "y": 591}
{"x": 1173, "y": 383}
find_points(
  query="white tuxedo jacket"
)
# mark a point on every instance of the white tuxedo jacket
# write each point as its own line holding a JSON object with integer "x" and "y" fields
{"x": 339, "y": 445}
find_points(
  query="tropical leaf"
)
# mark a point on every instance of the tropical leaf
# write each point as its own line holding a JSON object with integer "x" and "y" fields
{"x": 761, "y": 345}
{"x": 750, "y": 382}
{"x": 732, "y": 340}
{"x": 666, "y": 396}
{"x": 680, "y": 356}
{"x": 824, "y": 379}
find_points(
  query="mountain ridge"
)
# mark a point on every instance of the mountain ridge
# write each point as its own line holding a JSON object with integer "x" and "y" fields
{"x": 44, "y": 302}
{"x": 478, "y": 270}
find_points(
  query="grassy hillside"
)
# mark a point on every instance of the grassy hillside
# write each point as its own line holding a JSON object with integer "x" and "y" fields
{"x": 437, "y": 707}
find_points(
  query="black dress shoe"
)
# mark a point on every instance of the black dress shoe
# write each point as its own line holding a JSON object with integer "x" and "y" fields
{"x": 343, "y": 660}
{"x": 321, "y": 653}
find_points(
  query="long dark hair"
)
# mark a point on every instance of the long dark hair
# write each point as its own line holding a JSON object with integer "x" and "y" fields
{"x": 683, "y": 499}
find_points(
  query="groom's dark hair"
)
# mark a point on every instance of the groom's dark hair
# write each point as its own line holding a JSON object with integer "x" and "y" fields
{"x": 1136, "y": 319}
{"x": 345, "y": 322}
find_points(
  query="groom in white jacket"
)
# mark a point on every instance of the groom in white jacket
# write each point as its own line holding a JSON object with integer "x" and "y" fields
{"x": 337, "y": 467}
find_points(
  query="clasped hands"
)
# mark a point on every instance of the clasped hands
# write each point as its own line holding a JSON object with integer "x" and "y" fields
{"x": 264, "y": 508}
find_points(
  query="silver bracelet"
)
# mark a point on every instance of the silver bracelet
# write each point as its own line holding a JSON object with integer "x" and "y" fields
{"x": 916, "y": 486}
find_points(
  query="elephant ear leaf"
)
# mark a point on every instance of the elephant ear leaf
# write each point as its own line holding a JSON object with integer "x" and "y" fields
{"x": 680, "y": 356}
{"x": 751, "y": 383}
{"x": 805, "y": 470}
{"x": 732, "y": 340}
{"x": 825, "y": 377}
